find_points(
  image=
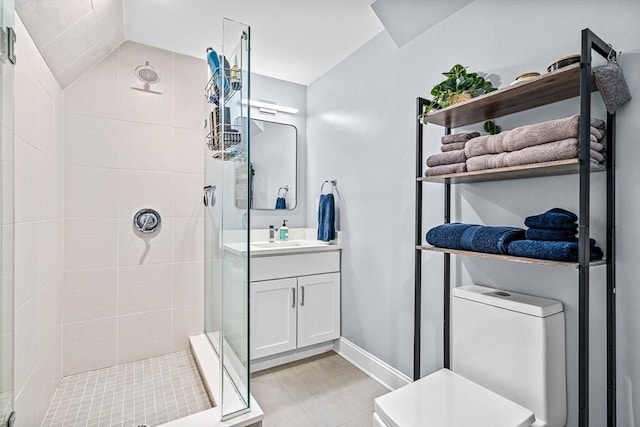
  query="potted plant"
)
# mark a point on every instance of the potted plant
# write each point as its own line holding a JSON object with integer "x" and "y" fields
{"x": 459, "y": 86}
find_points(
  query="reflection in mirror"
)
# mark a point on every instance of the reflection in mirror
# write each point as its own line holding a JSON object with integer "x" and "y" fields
{"x": 273, "y": 166}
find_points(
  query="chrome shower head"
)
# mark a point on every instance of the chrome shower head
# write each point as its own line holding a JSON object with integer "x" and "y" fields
{"x": 147, "y": 74}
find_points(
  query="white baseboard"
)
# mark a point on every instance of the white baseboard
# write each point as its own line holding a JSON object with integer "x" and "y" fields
{"x": 388, "y": 376}
{"x": 257, "y": 365}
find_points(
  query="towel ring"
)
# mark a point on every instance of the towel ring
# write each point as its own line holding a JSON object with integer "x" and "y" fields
{"x": 286, "y": 190}
{"x": 333, "y": 183}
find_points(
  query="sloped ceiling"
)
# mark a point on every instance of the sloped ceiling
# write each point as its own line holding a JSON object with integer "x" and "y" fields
{"x": 73, "y": 35}
{"x": 404, "y": 20}
{"x": 293, "y": 40}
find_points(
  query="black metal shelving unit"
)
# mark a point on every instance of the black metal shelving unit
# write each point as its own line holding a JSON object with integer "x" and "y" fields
{"x": 562, "y": 84}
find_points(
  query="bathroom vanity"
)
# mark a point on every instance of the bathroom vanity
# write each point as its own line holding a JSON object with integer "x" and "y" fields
{"x": 294, "y": 299}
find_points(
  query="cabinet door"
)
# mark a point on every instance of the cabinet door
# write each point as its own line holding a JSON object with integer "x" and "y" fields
{"x": 273, "y": 317}
{"x": 318, "y": 308}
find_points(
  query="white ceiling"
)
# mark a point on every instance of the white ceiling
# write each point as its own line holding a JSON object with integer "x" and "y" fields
{"x": 294, "y": 40}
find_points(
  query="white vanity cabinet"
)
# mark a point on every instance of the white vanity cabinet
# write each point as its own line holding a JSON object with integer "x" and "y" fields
{"x": 295, "y": 310}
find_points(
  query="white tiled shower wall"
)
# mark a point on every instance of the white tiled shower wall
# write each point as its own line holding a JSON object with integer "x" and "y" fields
{"x": 127, "y": 297}
{"x": 38, "y": 231}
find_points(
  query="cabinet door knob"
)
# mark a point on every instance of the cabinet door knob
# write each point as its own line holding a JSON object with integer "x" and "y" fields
{"x": 302, "y": 296}
{"x": 293, "y": 297}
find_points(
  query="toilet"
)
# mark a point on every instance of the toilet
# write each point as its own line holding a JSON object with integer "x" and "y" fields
{"x": 507, "y": 367}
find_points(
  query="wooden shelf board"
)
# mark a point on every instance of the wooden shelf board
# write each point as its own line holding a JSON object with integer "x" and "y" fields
{"x": 509, "y": 258}
{"x": 559, "y": 167}
{"x": 546, "y": 89}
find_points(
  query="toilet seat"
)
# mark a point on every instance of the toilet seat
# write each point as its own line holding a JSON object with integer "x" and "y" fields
{"x": 446, "y": 399}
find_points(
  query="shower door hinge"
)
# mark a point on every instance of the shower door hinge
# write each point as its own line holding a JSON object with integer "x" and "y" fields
{"x": 7, "y": 45}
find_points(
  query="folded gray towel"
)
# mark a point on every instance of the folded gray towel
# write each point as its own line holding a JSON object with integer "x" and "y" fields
{"x": 459, "y": 137}
{"x": 452, "y": 146}
{"x": 540, "y": 133}
{"x": 447, "y": 158}
{"x": 503, "y": 142}
{"x": 446, "y": 169}
{"x": 557, "y": 150}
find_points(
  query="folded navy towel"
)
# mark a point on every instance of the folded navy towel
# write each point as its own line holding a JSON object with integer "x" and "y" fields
{"x": 553, "y": 219}
{"x": 557, "y": 251}
{"x": 476, "y": 238}
{"x": 281, "y": 203}
{"x": 326, "y": 218}
{"x": 545, "y": 234}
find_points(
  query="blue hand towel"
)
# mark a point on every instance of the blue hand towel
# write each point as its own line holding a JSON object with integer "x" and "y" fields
{"x": 559, "y": 235}
{"x": 557, "y": 251}
{"x": 553, "y": 219}
{"x": 281, "y": 203}
{"x": 471, "y": 237}
{"x": 326, "y": 218}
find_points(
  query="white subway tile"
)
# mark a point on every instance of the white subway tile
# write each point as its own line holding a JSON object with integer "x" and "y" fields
{"x": 90, "y": 192}
{"x": 188, "y": 239}
{"x": 89, "y": 345}
{"x": 96, "y": 92}
{"x": 188, "y": 284}
{"x": 26, "y": 342}
{"x": 26, "y": 181}
{"x": 188, "y": 195}
{"x": 90, "y": 294}
{"x": 144, "y": 335}
{"x": 46, "y": 186}
{"x": 49, "y": 251}
{"x": 90, "y": 244}
{"x": 26, "y": 257}
{"x": 45, "y": 121}
{"x": 26, "y": 102}
{"x": 187, "y": 322}
{"x": 90, "y": 141}
{"x": 143, "y": 189}
{"x": 189, "y": 150}
{"x": 144, "y": 288}
{"x": 143, "y": 146}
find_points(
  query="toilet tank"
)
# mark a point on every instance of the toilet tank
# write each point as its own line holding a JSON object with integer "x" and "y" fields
{"x": 512, "y": 344}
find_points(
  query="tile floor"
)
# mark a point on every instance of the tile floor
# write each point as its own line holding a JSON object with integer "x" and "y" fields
{"x": 325, "y": 390}
{"x": 151, "y": 391}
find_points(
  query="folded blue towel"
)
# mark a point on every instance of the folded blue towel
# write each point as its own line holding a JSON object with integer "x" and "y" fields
{"x": 281, "y": 203}
{"x": 476, "y": 238}
{"x": 326, "y": 218}
{"x": 557, "y": 251}
{"x": 553, "y": 219}
{"x": 558, "y": 235}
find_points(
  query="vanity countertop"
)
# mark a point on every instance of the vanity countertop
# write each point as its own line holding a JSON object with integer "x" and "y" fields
{"x": 278, "y": 247}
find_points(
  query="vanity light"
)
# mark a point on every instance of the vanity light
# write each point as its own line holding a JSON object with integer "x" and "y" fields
{"x": 268, "y": 106}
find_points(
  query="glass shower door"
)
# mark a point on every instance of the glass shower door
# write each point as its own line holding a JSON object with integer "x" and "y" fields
{"x": 227, "y": 220}
{"x": 6, "y": 213}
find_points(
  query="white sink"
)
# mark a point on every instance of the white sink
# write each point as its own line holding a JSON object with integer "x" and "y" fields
{"x": 277, "y": 244}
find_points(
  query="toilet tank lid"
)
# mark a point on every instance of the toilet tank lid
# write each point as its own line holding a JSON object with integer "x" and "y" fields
{"x": 526, "y": 304}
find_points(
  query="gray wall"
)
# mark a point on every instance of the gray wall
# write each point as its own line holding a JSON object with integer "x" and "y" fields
{"x": 291, "y": 95}
{"x": 361, "y": 129}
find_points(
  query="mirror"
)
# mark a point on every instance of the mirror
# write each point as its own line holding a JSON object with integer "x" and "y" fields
{"x": 273, "y": 169}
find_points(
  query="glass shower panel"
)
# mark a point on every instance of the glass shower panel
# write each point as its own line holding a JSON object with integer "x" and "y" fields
{"x": 6, "y": 215}
{"x": 234, "y": 352}
{"x": 227, "y": 218}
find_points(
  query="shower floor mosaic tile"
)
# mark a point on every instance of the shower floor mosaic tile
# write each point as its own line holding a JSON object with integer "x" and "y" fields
{"x": 152, "y": 392}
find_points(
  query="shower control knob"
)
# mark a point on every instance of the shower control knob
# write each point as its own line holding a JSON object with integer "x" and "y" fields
{"x": 147, "y": 220}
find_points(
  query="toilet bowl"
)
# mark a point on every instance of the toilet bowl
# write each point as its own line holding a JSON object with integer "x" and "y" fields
{"x": 500, "y": 342}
